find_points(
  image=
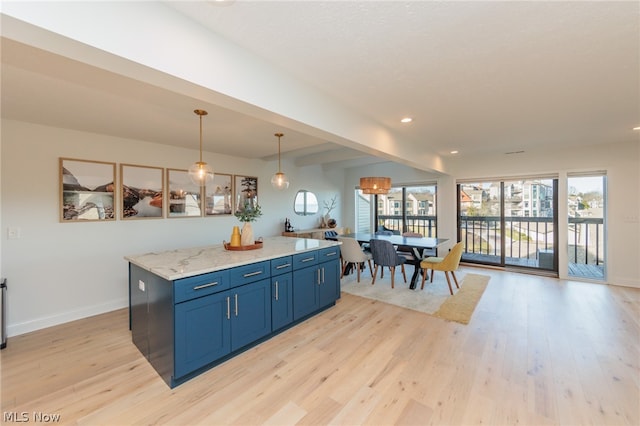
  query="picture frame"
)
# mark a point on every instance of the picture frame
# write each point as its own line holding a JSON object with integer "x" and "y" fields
{"x": 184, "y": 198}
{"x": 87, "y": 190}
{"x": 246, "y": 192}
{"x": 218, "y": 198}
{"x": 142, "y": 192}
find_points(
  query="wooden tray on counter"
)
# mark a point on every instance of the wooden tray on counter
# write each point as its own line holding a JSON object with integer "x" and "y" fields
{"x": 228, "y": 246}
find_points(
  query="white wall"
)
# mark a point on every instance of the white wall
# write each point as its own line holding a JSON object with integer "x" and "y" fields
{"x": 620, "y": 161}
{"x": 59, "y": 272}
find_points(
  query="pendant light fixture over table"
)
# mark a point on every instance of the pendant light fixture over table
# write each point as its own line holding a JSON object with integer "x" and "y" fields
{"x": 375, "y": 185}
{"x": 279, "y": 180}
{"x": 200, "y": 172}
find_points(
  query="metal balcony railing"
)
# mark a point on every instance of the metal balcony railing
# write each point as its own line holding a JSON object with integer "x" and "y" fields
{"x": 424, "y": 225}
{"x": 525, "y": 237}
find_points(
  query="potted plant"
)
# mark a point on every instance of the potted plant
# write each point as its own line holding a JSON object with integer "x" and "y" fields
{"x": 247, "y": 215}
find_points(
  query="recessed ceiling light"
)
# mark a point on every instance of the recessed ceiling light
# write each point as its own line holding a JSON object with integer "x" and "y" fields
{"x": 406, "y": 120}
{"x": 636, "y": 128}
{"x": 454, "y": 152}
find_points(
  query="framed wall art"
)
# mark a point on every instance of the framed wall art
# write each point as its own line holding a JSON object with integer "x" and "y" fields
{"x": 246, "y": 189}
{"x": 142, "y": 191}
{"x": 218, "y": 198}
{"x": 184, "y": 197}
{"x": 86, "y": 190}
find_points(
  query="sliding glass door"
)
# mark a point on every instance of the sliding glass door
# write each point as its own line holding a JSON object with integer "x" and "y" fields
{"x": 509, "y": 222}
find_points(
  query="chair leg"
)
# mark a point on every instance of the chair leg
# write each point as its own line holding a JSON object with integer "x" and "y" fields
{"x": 446, "y": 273}
{"x": 344, "y": 268}
{"x": 432, "y": 271}
{"x": 393, "y": 273}
{"x": 370, "y": 269}
{"x": 455, "y": 279}
{"x": 373, "y": 277}
{"x": 358, "y": 268}
{"x": 403, "y": 273}
{"x": 424, "y": 276}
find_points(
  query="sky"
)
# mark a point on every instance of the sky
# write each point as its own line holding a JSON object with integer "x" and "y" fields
{"x": 586, "y": 184}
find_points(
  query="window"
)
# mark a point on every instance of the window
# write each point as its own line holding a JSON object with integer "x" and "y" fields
{"x": 418, "y": 215}
{"x": 586, "y": 205}
{"x": 363, "y": 212}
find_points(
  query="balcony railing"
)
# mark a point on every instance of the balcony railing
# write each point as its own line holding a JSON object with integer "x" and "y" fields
{"x": 526, "y": 238}
{"x": 424, "y": 225}
{"x": 586, "y": 237}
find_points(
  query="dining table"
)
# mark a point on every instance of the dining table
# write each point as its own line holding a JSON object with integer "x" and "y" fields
{"x": 419, "y": 243}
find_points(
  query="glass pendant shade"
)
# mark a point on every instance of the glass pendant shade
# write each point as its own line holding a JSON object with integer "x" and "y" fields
{"x": 375, "y": 185}
{"x": 200, "y": 172}
{"x": 279, "y": 180}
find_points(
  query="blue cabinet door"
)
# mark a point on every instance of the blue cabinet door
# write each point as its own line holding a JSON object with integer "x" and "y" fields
{"x": 202, "y": 332}
{"x": 329, "y": 288}
{"x": 250, "y": 313}
{"x": 305, "y": 293}
{"x": 281, "y": 301}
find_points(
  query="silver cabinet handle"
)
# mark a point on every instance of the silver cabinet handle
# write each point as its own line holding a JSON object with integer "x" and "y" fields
{"x": 308, "y": 259}
{"x": 323, "y": 275}
{"x": 252, "y": 274}
{"x": 228, "y": 307}
{"x": 200, "y": 287}
{"x": 333, "y": 253}
{"x": 318, "y": 276}
{"x": 286, "y": 265}
{"x": 276, "y": 290}
{"x": 236, "y": 297}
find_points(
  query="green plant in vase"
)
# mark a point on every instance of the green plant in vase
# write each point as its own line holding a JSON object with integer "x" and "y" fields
{"x": 247, "y": 215}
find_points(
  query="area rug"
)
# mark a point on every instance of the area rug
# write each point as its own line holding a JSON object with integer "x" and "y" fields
{"x": 434, "y": 300}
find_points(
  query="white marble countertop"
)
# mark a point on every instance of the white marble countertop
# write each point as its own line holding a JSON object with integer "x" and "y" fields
{"x": 181, "y": 263}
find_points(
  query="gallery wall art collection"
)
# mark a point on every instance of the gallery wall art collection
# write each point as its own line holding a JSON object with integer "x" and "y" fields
{"x": 93, "y": 191}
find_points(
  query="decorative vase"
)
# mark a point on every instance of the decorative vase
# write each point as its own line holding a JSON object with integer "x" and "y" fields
{"x": 235, "y": 237}
{"x": 247, "y": 235}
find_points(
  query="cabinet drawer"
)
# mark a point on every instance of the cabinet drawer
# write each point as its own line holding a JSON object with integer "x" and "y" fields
{"x": 281, "y": 265}
{"x": 329, "y": 253}
{"x": 302, "y": 260}
{"x": 249, "y": 273}
{"x": 200, "y": 285}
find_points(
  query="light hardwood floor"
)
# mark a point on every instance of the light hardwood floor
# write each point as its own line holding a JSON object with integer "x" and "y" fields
{"x": 537, "y": 351}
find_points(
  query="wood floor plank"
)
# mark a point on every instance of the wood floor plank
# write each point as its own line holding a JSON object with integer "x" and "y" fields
{"x": 538, "y": 351}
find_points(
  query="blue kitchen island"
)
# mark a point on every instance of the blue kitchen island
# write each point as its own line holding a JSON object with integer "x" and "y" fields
{"x": 191, "y": 309}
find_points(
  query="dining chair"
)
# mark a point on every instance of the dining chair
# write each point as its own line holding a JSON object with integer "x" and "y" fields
{"x": 384, "y": 254}
{"x": 449, "y": 263}
{"x": 352, "y": 253}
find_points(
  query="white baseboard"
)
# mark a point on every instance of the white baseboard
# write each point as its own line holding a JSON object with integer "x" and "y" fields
{"x": 63, "y": 317}
{"x": 624, "y": 282}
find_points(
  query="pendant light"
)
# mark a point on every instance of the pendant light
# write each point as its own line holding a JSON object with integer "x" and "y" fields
{"x": 375, "y": 185}
{"x": 200, "y": 172}
{"x": 279, "y": 180}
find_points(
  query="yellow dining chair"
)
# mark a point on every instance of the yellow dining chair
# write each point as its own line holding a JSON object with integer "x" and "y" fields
{"x": 449, "y": 263}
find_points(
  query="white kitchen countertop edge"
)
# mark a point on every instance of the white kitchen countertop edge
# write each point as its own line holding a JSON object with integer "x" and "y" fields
{"x": 182, "y": 263}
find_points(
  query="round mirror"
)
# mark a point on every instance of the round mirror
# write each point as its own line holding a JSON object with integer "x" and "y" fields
{"x": 305, "y": 203}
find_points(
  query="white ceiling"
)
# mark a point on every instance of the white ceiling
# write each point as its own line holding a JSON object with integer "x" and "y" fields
{"x": 475, "y": 76}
